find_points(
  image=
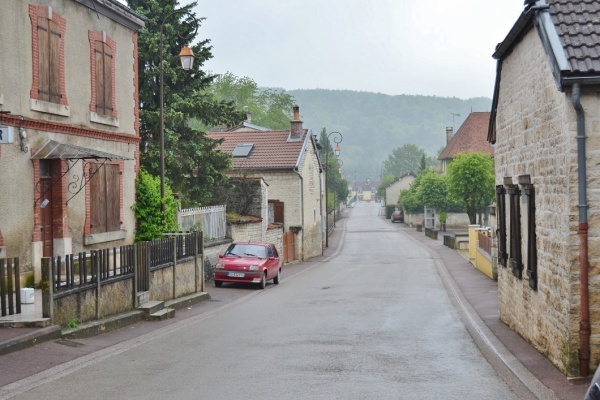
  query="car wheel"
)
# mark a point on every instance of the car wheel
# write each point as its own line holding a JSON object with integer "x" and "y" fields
{"x": 277, "y": 277}
{"x": 263, "y": 282}
{"x": 218, "y": 283}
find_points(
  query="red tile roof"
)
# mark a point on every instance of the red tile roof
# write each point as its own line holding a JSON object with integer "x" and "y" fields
{"x": 271, "y": 150}
{"x": 470, "y": 137}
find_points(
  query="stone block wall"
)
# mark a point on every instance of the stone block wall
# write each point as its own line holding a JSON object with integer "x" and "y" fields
{"x": 536, "y": 136}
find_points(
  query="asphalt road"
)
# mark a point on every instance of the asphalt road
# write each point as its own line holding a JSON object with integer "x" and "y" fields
{"x": 373, "y": 321}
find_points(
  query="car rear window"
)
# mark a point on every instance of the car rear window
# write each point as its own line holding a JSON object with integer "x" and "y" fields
{"x": 246, "y": 250}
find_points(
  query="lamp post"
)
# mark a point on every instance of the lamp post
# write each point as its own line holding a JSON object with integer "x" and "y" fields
{"x": 337, "y": 139}
{"x": 186, "y": 57}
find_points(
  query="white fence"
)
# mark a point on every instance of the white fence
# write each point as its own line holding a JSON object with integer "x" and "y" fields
{"x": 210, "y": 220}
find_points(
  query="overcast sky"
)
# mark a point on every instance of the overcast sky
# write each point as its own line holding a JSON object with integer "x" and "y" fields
{"x": 428, "y": 47}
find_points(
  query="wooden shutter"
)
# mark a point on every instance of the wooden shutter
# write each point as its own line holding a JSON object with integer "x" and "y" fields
{"x": 277, "y": 211}
{"x": 113, "y": 197}
{"x": 43, "y": 59}
{"x": 97, "y": 198}
{"x": 54, "y": 62}
{"x": 501, "y": 216}
{"x": 103, "y": 58}
{"x": 49, "y": 40}
{"x": 515, "y": 261}
{"x": 105, "y": 198}
{"x": 531, "y": 238}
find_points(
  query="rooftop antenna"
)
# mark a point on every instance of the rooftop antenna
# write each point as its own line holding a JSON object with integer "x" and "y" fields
{"x": 454, "y": 115}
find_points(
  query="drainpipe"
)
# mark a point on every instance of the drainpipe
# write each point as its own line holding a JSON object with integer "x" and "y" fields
{"x": 584, "y": 323}
{"x": 301, "y": 207}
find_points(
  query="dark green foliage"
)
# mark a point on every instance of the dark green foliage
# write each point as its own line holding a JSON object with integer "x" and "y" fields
{"x": 471, "y": 179}
{"x": 389, "y": 209}
{"x": 268, "y": 107}
{"x": 191, "y": 164}
{"x": 407, "y": 159}
{"x": 148, "y": 210}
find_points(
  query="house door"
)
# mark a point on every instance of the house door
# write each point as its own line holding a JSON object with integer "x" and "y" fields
{"x": 47, "y": 231}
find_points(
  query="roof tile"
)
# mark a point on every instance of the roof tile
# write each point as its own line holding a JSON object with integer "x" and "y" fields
{"x": 271, "y": 150}
{"x": 470, "y": 137}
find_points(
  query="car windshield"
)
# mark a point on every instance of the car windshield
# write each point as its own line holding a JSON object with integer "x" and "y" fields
{"x": 246, "y": 250}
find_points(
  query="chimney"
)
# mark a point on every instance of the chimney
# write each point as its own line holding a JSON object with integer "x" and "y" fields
{"x": 296, "y": 130}
{"x": 248, "y": 115}
{"x": 449, "y": 134}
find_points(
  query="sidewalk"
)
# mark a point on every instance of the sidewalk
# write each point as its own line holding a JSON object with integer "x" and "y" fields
{"x": 473, "y": 293}
{"x": 481, "y": 295}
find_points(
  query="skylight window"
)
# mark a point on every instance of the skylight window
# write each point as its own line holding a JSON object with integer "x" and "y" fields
{"x": 243, "y": 150}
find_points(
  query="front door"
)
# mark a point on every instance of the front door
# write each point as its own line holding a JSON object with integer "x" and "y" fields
{"x": 45, "y": 191}
{"x": 47, "y": 231}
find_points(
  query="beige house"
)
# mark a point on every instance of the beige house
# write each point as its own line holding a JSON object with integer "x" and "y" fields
{"x": 69, "y": 127}
{"x": 288, "y": 162}
{"x": 392, "y": 191}
{"x": 545, "y": 129}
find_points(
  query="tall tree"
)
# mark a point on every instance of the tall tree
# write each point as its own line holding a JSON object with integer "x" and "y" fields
{"x": 268, "y": 107}
{"x": 471, "y": 178}
{"x": 191, "y": 164}
{"x": 408, "y": 158}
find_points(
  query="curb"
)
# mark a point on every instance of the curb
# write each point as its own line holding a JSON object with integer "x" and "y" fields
{"x": 30, "y": 339}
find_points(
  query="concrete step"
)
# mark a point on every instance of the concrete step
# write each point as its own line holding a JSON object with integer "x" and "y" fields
{"x": 151, "y": 307}
{"x": 165, "y": 313}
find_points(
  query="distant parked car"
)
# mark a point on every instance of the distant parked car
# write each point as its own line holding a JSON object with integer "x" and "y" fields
{"x": 249, "y": 262}
{"x": 397, "y": 216}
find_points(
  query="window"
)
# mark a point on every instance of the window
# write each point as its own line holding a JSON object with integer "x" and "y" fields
{"x": 102, "y": 61}
{"x": 48, "y": 83}
{"x": 105, "y": 197}
{"x": 49, "y": 71}
{"x": 276, "y": 211}
{"x": 501, "y": 232}
{"x": 529, "y": 192}
{"x": 103, "y": 56}
{"x": 515, "y": 259}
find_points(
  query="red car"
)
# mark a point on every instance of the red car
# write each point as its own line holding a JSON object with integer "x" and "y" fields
{"x": 397, "y": 216}
{"x": 249, "y": 262}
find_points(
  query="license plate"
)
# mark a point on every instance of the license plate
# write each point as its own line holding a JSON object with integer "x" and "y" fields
{"x": 235, "y": 274}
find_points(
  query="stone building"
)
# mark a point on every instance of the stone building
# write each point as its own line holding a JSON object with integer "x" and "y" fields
{"x": 69, "y": 127}
{"x": 288, "y": 162}
{"x": 545, "y": 127}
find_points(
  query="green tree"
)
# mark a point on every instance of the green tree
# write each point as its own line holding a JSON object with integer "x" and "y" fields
{"x": 147, "y": 208}
{"x": 191, "y": 164}
{"x": 269, "y": 108}
{"x": 405, "y": 159}
{"x": 471, "y": 179}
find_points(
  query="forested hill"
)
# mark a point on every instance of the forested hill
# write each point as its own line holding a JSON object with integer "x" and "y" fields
{"x": 374, "y": 124}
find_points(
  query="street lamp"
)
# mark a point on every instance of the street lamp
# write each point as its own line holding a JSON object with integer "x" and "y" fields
{"x": 186, "y": 57}
{"x": 337, "y": 139}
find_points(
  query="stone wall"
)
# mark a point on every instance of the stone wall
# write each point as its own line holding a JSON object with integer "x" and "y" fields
{"x": 536, "y": 136}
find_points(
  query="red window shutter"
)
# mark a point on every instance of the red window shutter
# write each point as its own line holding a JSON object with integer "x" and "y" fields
{"x": 43, "y": 59}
